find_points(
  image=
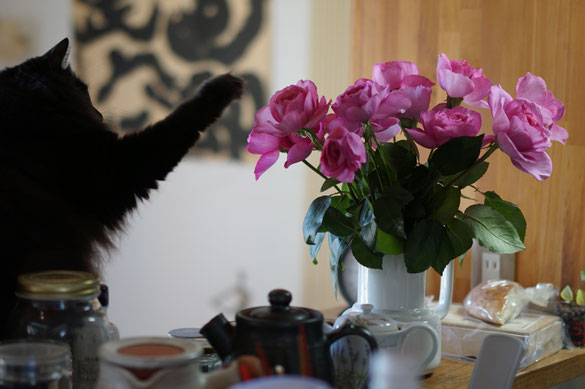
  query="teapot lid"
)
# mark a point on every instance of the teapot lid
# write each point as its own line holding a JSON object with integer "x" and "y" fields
{"x": 279, "y": 313}
{"x": 363, "y": 315}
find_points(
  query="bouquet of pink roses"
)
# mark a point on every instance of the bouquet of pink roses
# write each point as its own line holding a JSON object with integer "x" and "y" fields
{"x": 386, "y": 200}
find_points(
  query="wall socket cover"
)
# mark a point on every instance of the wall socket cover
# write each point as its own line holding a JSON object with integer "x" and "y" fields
{"x": 486, "y": 265}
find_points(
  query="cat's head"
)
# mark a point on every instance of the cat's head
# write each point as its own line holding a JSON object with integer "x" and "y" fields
{"x": 49, "y": 80}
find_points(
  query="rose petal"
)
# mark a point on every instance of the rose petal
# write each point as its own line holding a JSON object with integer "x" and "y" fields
{"x": 456, "y": 85}
{"x": 421, "y": 137}
{"x": 558, "y": 134}
{"x": 532, "y": 88}
{"x": 497, "y": 99}
{"x": 265, "y": 161}
{"x": 540, "y": 168}
{"x": 261, "y": 143}
{"x": 297, "y": 153}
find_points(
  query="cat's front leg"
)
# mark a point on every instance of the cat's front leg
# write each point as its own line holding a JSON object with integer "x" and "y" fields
{"x": 143, "y": 158}
{"x": 208, "y": 103}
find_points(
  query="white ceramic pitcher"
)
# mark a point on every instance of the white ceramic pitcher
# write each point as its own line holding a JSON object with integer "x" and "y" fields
{"x": 401, "y": 295}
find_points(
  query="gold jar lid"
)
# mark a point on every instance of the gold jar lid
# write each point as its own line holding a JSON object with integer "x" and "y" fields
{"x": 57, "y": 284}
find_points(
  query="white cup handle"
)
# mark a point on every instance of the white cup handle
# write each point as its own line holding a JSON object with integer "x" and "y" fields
{"x": 432, "y": 333}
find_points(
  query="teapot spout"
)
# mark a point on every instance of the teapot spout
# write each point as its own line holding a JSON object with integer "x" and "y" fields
{"x": 220, "y": 334}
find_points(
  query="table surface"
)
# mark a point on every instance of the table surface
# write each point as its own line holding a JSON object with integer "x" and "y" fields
{"x": 550, "y": 371}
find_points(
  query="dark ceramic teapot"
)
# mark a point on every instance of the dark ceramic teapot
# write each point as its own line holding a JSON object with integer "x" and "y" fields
{"x": 285, "y": 338}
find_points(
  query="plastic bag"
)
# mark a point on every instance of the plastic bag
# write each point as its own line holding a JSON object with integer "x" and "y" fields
{"x": 500, "y": 301}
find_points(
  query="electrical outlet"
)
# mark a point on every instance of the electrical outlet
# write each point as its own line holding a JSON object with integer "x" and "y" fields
{"x": 490, "y": 266}
{"x": 486, "y": 265}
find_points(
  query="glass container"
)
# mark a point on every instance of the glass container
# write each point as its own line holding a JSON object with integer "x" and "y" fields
{"x": 209, "y": 360}
{"x": 63, "y": 306}
{"x": 35, "y": 364}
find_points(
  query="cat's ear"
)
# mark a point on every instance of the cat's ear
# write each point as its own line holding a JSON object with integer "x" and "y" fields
{"x": 59, "y": 55}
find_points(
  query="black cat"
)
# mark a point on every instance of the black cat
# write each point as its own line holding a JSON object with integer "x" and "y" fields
{"x": 66, "y": 180}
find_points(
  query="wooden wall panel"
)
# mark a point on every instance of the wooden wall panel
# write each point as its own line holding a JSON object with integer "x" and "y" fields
{"x": 507, "y": 39}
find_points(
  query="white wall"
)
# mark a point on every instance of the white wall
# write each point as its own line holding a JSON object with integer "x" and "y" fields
{"x": 45, "y": 23}
{"x": 211, "y": 222}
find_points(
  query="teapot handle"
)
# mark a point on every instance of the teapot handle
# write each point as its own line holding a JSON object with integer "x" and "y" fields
{"x": 351, "y": 329}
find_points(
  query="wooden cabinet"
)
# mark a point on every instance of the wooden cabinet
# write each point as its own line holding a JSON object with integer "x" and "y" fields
{"x": 507, "y": 39}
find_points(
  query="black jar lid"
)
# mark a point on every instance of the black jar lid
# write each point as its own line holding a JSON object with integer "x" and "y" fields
{"x": 279, "y": 314}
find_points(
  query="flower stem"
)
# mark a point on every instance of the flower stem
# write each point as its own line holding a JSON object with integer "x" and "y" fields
{"x": 313, "y": 168}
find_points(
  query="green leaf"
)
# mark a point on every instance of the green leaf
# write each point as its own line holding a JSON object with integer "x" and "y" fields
{"x": 368, "y": 227}
{"x": 342, "y": 203}
{"x": 456, "y": 239}
{"x": 398, "y": 193}
{"x": 567, "y": 293}
{"x": 400, "y": 156}
{"x": 469, "y": 177}
{"x": 314, "y": 248}
{"x": 337, "y": 247}
{"x": 389, "y": 217}
{"x": 509, "y": 210}
{"x": 445, "y": 253}
{"x": 415, "y": 209}
{"x": 337, "y": 223}
{"x": 388, "y": 244}
{"x": 364, "y": 256}
{"x": 447, "y": 204}
{"x": 492, "y": 230}
{"x": 456, "y": 154}
{"x": 422, "y": 245}
{"x": 460, "y": 236}
{"x": 329, "y": 183}
{"x": 580, "y": 297}
{"x": 461, "y": 260}
{"x": 314, "y": 218}
{"x": 420, "y": 179}
{"x": 582, "y": 275}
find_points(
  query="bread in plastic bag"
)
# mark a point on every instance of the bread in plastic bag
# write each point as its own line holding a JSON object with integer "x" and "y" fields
{"x": 500, "y": 301}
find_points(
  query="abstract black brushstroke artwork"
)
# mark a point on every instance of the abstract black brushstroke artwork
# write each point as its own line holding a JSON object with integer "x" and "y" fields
{"x": 142, "y": 58}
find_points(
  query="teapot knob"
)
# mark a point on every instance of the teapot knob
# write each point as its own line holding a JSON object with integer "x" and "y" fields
{"x": 279, "y": 299}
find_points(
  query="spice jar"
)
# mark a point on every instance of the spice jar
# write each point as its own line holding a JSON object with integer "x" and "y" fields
{"x": 63, "y": 305}
{"x": 35, "y": 364}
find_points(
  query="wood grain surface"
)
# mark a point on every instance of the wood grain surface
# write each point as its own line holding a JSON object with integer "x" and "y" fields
{"x": 558, "y": 368}
{"x": 507, "y": 39}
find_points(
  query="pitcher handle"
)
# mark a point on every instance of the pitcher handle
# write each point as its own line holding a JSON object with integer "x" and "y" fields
{"x": 351, "y": 329}
{"x": 431, "y": 332}
{"x": 445, "y": 292}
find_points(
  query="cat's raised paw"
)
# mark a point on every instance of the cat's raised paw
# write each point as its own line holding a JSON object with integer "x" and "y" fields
{"x": 226, "y": 87}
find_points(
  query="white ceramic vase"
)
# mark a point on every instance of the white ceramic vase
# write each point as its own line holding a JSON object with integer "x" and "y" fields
{"x": 401, "y": 295}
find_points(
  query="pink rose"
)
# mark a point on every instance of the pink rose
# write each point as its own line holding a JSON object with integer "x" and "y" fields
{"x": 533, "y": 88}
{"x": 267, "y": 146}
{"x": 270, "y": 146}
{"x": 459, "y": 79}
{"x": 343, "y": 154}
{"x": 519, "y": 128}
{"x": 442, "y": 124}
{"x": 358, "y": 103}
{"x": 411, "y": 93}
{"x": 393, "y": 73}
{"x": 291, "y": 109}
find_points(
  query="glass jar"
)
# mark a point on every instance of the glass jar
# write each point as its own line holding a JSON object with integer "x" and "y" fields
{"x": 63, "y": 305}
{"x": 35, "y": 364}
{"x": 209, "y": 360}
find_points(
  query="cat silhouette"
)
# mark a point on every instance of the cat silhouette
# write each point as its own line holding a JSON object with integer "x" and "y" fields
{"x": 67, "y": 180}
